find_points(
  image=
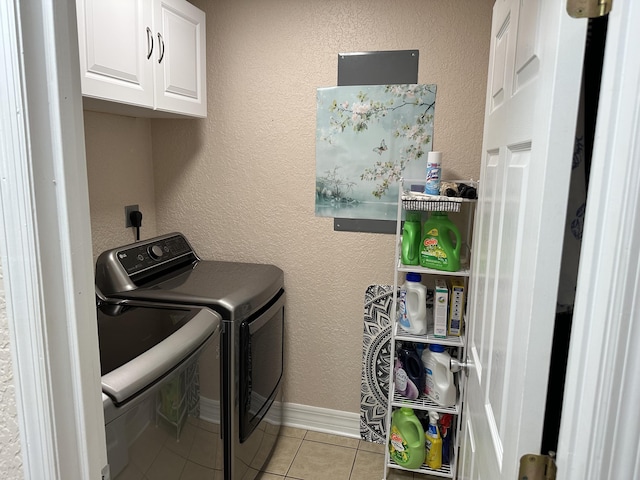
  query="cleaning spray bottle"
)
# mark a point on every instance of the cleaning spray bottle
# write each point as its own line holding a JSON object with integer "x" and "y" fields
{"x": 433, "y": 443}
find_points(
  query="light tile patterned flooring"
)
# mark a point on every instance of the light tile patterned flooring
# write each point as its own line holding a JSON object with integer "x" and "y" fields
{"x": 307, "y": 455}
{"x": 298, "y": 455}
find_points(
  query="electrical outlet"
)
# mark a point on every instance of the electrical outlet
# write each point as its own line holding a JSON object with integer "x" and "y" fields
{"x": 127, "y": 210}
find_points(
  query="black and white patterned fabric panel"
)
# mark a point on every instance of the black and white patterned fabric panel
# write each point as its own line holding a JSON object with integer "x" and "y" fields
{"x": 376, "y": 345}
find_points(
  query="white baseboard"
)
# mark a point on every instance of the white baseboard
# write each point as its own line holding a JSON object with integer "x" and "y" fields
{"x": 210, "y": 410}
{"x": 321, "y": 419}
{"x": 306, "y": 417}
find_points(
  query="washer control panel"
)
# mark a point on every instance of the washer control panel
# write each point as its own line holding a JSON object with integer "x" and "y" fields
{"x": 145, "y": 255}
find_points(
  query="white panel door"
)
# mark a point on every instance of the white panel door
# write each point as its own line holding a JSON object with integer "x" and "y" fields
{"x": 116, "y": 41}
{"x": 532, "y": 101}
{"x": 180, "y": 59}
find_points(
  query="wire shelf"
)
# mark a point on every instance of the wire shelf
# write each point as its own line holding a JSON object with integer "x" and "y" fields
{"x": 444, "y": 471}
{"x": 418, "y": 201}
{"x": 430, "y": 203}
{"x": 423, "y": 403}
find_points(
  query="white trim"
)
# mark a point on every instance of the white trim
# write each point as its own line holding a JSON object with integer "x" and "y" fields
{"x": 317, "y": 419}
{"x": 600, "y": 430}
{"x": 20, "y": 265}
{"x": 46, "y": 243}
{"x": 320, "y": 419}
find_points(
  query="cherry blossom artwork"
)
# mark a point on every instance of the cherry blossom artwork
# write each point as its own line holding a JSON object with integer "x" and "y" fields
{"x": 367, "y": 138}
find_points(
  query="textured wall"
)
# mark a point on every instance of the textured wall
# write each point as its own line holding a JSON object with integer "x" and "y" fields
{"x": 240, "y": 184}
{"x": 10, "y": 456}
{"x": 120, "y": 171}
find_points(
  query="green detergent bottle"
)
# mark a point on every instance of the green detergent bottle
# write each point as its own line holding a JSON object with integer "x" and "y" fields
{"x": 411, "y": 237}
{"x": 406, "y": 442}
{"x": 438, "y": 250}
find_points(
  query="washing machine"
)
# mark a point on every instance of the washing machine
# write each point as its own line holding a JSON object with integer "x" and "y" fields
{"x": 250, "y": 299}
{"x": 149, "y": 360}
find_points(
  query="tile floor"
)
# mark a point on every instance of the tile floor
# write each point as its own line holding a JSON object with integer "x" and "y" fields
{"x": 307, "y": 455}
{"x": 298, "y": 455}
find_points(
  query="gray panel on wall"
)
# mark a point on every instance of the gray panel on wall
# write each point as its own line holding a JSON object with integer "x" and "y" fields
{"x": 375, "y": 68}
{"x": 378, "y": 68}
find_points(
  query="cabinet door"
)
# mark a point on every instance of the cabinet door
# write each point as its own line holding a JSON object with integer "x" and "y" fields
{"x": 115, "y": 38}
{"x": 180, "y": 59}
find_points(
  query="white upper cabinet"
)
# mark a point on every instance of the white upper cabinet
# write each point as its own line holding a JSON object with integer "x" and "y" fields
{"x": 113, "y": 38}
{"x": 180, "y": 57}
{"x": 143, "y": 57}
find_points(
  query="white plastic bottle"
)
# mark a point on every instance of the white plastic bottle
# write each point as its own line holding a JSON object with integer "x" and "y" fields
{"x": 412, "y": 305}
{"x": 439, "y": 385}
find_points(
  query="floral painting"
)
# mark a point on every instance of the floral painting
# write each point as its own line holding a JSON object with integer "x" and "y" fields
{"x": 367, "y": 138}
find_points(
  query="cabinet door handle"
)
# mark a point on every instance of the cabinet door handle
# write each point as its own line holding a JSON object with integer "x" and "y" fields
{"x": 149, "y": 43}
{"x": 161, "y": 43}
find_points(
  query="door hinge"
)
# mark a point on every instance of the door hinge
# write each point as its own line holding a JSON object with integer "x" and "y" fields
{"x": 537, "y": 467}
{"x": 588, "y": 8}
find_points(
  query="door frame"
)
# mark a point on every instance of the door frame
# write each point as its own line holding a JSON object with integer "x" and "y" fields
{"x": 46, "y": 244}
{"x": 600, "y": 428}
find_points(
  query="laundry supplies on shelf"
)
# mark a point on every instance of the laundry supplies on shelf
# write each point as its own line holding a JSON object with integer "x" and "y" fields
{"x": 406, "y": 440}
{"x": 412, "y": 365}
{"x": 433, "y": 443}
{"x": 434, "y": 173}
{"x": 440, "y": 386}
{"x": 442, "y": 347}
{"x": 456, "y": 307}
{"x": 440, "y": 307}
{"x": 438, "y": 249}
{"x": 412, "y": 305}
{"x": 411, "y": 238}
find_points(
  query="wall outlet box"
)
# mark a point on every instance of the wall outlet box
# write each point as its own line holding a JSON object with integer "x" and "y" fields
{"x": 127, "y": 210}
{"x": 440, "y": 307}
{"x": 456, "y": 307}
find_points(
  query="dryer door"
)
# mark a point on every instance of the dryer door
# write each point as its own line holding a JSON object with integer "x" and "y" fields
{"x": 261, "y": 365}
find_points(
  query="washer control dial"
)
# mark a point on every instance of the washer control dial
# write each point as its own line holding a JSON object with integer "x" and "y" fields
{"x": 155, "y": 252}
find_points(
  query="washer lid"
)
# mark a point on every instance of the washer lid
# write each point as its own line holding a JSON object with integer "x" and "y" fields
{"x": 235, "y": 290}
{"x": 166, "y": 269}
{"x": 139, "y": 345}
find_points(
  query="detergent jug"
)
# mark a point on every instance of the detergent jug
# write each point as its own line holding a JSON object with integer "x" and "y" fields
{"x": 411, "y": 236}
{"x": 412, "y": 364}
{"x": 412, "y": 305}
{"x": 438, "y": 250}
{"x": 406, "y": 442}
